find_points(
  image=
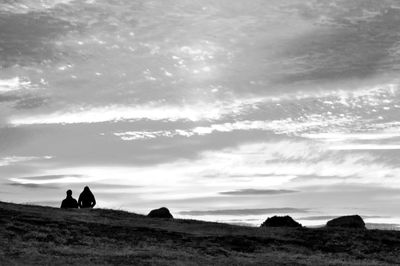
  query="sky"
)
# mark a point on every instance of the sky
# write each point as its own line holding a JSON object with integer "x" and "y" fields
{"x": 221, "y": 110}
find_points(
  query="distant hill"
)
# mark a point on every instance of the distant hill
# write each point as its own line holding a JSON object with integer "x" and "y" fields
{"x": 34, "y": 235}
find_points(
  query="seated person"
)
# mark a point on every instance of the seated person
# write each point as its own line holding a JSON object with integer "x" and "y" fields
{"x": 86, "y": 199}
{"x": 69, "y": 202}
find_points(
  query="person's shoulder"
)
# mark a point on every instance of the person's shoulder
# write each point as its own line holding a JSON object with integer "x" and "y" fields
{"x": 63, "y": 203}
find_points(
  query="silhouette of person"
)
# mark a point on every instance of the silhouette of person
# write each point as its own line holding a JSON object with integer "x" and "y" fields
{"x": 69, "y": 202}
{"x": 86, "y": 199}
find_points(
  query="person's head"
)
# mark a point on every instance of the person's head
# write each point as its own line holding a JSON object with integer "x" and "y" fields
{"x": 69, "y": 193}
{"x": 86, "y": 189}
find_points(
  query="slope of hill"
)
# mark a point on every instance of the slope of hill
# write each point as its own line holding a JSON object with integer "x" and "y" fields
{"x": 34, "y": 235}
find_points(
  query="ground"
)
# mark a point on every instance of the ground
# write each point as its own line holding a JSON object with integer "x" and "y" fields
{"x": 35, "y": 235}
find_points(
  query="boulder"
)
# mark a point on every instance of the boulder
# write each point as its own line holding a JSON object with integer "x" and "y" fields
{"x": 351, "y": 221}
{"x": 280, "y": 221}
{"x": 160, "y": 213}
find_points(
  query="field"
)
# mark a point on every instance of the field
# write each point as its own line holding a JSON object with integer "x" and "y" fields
{"x": 34, "y": 235}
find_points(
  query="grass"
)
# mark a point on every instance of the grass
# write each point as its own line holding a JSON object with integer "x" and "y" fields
{"x": 34, "y": 235}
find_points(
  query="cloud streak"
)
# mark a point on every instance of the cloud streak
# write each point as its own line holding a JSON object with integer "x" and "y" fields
{"x": 5, "y": 161}
{"x": 31, "y": 185}
{"x": 244, "y": 212}
{"x": 151, "y": 111}
{"x": 218, "y": 110}
{"x": 329, "y": 217}
{"x": 13, "y": 84}
{"x": 22, "y": 7}
{"x": 254, "y": 192}
{"x": 285, "y": 126}
{"x": 360, "y": 147}
{"x": 340, "y": 136}
{"x": 52, "y": 179}
{"x": 338, "y": 116}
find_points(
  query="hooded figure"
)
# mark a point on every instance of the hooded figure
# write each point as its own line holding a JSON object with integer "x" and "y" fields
{"x": 69, "y": 202}
{"x": 86, "y": 199}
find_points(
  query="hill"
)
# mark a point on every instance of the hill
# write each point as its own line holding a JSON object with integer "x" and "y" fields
{"x": 34, "y": 235}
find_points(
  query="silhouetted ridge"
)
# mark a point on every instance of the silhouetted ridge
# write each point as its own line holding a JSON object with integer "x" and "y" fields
{"x": 351, "y": 221}
{"x": 280, "y": 221}
{"x": 160, "y": 213}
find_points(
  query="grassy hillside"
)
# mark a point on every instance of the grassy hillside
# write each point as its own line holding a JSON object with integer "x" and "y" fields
{"x": 33, "y": 235}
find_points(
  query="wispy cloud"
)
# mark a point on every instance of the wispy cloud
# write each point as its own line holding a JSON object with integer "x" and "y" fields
{"x": 341, "y": 136}
{"x": 254, "y": 192}
{"x": 318, "y": 164}
{"x": 219, "y": 109}
{"x": 5, "y": 161}
{"x": 151, "y": 111}
{"x": 31, "y": 185}
{"x": 13, "y": 84}
{"x": 20, "y": 7}
{"x": 329, "y": 217}
{"x": 52, "y": 179}
{"x": 340, "y": 116}
{"x": 349, "y": 147}
{"x": 287, "y": 126}
{"x": 245, "y": 211}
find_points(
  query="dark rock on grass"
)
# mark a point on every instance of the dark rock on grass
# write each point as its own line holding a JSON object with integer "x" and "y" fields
{"x": 351, "y": 221}
{"x": 280, "y": 221}
{"x": 160, "y": 213}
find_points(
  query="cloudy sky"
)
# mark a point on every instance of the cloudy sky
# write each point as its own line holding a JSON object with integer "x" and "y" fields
{"x": 225, "y": 110}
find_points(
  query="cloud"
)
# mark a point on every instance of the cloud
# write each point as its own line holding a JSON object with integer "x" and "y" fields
{"x": 287, "y": 126}
{"x": 29, "y": 38}
{"x": 329, "y": 217}
{"x": 375, "y": 131}
{"x": 338, "y": 114}
{"x": 30, "y": 102}
{"x": 5, "y": 161}
{"x": 52, "y": 179}
{"x": 23, "y": 6}
{"x": 100, "y": 188}
{"x": 341, "y": 136}
{"x": 245, "y": 211}
{"x": 350, "y": 46}
{"x": 348, "y": 147}
{"x": 21, "y": 93}
{"x": 252, "y": 192}
{"x": 150, "y": 111}
{"x": 13, "y": 84}
{"x": 31, "y": 185}
{"x": 285, "y": 163}
{"x": 232, "y": 108}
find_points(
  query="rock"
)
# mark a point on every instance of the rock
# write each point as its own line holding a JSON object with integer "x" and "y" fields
{"x": 160, "y": 213}
{"x": 351, "y": 221}
{"x": 280, "y": 221}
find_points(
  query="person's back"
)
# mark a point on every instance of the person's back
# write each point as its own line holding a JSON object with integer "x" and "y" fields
{"x": 69, "y": 202}
{"x": 86, "y": 199}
